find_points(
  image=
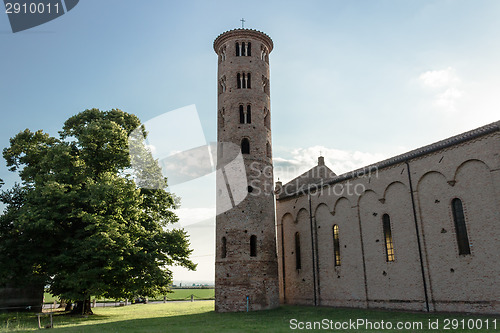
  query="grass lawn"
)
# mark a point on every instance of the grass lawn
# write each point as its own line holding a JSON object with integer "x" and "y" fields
{"x": 200, "y": 317}
{"x": 183, "y": 294}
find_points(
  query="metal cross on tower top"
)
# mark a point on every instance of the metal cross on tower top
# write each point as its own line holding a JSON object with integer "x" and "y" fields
{"x": 242, "y": 23}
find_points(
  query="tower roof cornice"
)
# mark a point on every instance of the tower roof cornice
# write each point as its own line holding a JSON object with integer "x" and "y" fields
{"x": 243, "y": 33}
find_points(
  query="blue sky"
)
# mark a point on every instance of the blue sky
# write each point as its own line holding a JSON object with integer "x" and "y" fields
{"x": 359, "y": 81}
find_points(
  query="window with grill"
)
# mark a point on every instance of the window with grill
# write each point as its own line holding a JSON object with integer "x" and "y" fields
{"x": 243, "y": 49}
{"x": 245, "y": 115}
{"x": 389, "y": 246}
{"x": 243, "y": 81}
{"x": 336, "y": 245}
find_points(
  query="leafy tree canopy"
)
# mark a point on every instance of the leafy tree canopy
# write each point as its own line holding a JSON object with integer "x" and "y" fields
{"x": 79, "y": 223}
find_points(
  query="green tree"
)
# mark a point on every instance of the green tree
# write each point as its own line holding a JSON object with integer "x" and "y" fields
{"x": 83, "y": 221}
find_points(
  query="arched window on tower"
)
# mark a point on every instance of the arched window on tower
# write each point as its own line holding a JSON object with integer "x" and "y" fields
{"x": 265, "y": 84}
{"x": 267, "y": 119}
{"x": 245, "y": 115}
{"x": 222, "y": 116}
{"x": 336, "y": 245}
{"x": 223, "y": 248}
{"x": 242, "y": 115}
{"x": 222, "y": 85}
{"x": 268, "y": 150}
{"x": 243, "y": 80}
{"x": 460, "y": 227}
{"x": 298, "y": 264}
{"x": 238, "y": 50}
{"x": 249, "y": 115}
{"x": 263, "y": 53}
{"x": 389, "y": 246}
{"x": 249, "y": 49}
{"x": 245, "y": 146}
{"x": 222, "y": 54}
{"x": 253, "y": 246}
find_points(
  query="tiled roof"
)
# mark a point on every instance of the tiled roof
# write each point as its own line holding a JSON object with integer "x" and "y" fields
{"x": 319, "y": 174}
{"x": 291, "y": 189}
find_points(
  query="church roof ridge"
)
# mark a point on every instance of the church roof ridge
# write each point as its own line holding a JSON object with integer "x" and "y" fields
{"x": 307, "y": 174}
{"x": 412, "y": 154}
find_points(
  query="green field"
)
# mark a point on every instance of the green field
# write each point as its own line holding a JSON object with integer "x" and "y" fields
{"x": 181, "y": 294}
{"x": 176, "y": 295}
{"x": 200, "y": 317}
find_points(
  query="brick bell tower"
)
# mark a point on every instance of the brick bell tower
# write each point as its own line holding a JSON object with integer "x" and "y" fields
{"x": 246, "y": 268}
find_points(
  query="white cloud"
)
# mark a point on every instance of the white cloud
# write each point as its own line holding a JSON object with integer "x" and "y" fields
{"x": 447, "y": 100}
{"x": 446, "y": 87}
{"x": 440, "y": 78}
{"x": 188, "y": 216}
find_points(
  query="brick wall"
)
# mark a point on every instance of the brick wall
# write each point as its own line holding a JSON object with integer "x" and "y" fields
{"x": 469, "y": 171}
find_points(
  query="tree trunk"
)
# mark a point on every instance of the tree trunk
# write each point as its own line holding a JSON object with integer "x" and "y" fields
{"x": 69, "y": 306}
{"x": 83, "y": 307}
{"x": 62, "y": 303}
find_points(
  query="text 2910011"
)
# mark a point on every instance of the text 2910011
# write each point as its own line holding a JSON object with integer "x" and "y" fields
{"x": 32, "y": 8}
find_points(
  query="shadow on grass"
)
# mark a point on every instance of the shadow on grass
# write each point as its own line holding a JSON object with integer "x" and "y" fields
{"x": 64, "y": 318}
{"x": 20, "y": 322}
{"x": 200, "y": 322}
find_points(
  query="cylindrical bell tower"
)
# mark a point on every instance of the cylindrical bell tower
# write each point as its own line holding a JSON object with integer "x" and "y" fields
{"x": 246, "y": 269}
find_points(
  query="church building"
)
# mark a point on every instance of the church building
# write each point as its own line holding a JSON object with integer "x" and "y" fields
{"x": 419, "y": 231}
